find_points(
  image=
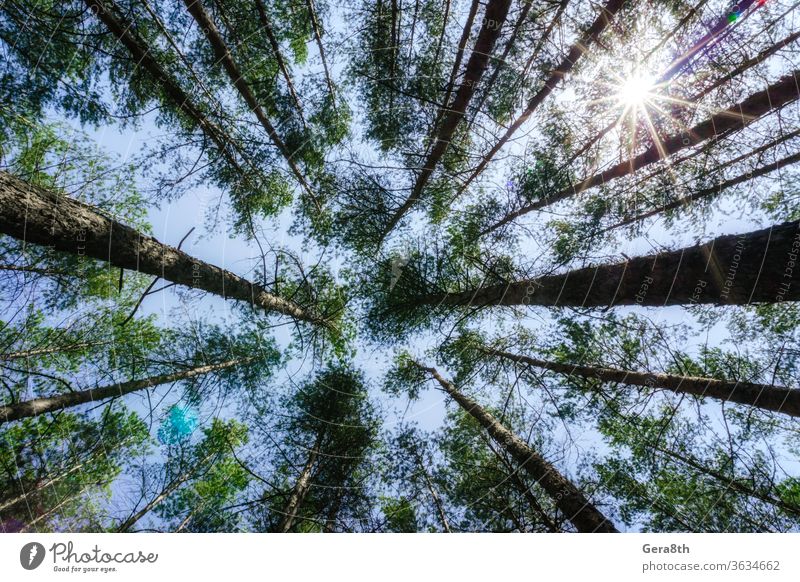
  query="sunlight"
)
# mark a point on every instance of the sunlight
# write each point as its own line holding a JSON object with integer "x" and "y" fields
{"x": 635, "y": 90}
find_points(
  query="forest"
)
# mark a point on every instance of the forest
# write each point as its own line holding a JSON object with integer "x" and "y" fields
{"x": 399, "y": 266}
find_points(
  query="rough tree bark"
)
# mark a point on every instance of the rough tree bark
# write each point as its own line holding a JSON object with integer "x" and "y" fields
{"x": 755, "y": 267}
{"x": 39, "y": 216}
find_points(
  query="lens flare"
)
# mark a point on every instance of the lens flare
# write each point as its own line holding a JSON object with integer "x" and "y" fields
{"x": 635, "y": 90}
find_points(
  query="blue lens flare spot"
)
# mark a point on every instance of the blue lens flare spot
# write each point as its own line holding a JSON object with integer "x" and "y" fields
{"x": 179, "y": 425}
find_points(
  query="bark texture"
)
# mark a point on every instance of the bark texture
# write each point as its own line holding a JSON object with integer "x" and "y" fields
{"x": 754, "y": 267}
{"x": 39, "y": 216}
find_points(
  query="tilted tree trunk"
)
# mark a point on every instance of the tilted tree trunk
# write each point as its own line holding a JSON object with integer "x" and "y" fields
{"x": 39, "y": 216}
{"x": 733, "y": 119}
{"x": 576, "y": 51}
{"x": 765, "y": 396}
{"x": 755, "y": 267}
{"x": 494, "y": 18}
{"x": 300, "y": 489}
{"x": 142, "y": 55}
{"x": 223, "y": 56}
{"x": 32, "y": 353}
{"x": 500, "y": 61}
{"x": 565, "y": 495}
{"x": 37, "y": 406}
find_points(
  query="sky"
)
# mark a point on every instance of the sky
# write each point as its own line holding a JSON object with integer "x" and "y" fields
{"x": 171, "y": 220}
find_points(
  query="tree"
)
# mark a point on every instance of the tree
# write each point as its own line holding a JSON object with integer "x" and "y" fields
{"x": 325, "y": 445}
{"x": 757, "y": 268}
{"x": 57, "y": 474}
{"x": 39, "y": 216}
{"x": 568, "y": 498}
{"x": 195, "y": 472}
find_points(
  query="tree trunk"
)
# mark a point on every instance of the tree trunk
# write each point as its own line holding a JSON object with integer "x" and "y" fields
{"x": 764, "y": 396}
{"x": 32, "y": 353}
{"x": 573, "y": 56}
{"x": 300, "y": 489}
{"x": 223, "y": 55}
{"x": 143, "y": 57}
{"x": 39, "y": 216}
{"x": 733, "y": 119}
{"x": 755, "y": 267}
{"x": 37, "y": 406}
{"x": 566, "y": 496}
{"x": 493, "y": 21}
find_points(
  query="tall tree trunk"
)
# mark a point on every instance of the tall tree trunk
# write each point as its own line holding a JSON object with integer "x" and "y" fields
{"x": 764, "y": 396}
{"x": 35, "y": 215}
{"x": 300, "y": 489}
{"x": 223, "y": 56}
{"x": 37, "y": 406}
{"x": 576, "y": 51}
{"x": 494, "y": 18}
{"x": 566, "y": 496}
{"x": 144, "y": 58}
{"x": 733, "y": 119}
{"x": 755, "y": 267}
{"x": 49, "y": 350}
{"x": 276, "y": 49}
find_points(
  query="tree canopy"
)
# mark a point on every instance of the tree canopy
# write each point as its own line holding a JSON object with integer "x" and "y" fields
{"x": 399, "y": 266}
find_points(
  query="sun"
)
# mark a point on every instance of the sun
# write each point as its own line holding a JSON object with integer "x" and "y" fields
{"x": 635, "y": 90}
